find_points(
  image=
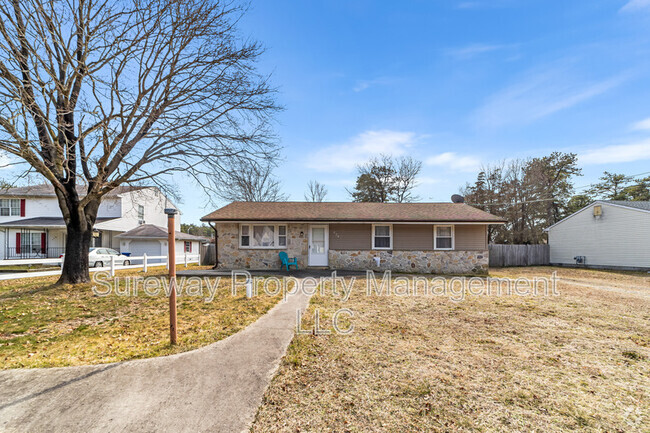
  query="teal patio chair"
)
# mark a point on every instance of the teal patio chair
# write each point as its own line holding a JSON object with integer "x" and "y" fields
{"x": 286, "y": 261}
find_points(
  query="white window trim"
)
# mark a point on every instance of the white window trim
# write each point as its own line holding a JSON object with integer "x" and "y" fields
{"x": 10, "y": 207}
{"x": 453, "y": 237}
{"x": 276, "y": 234}
{"x": 372, "y": 236}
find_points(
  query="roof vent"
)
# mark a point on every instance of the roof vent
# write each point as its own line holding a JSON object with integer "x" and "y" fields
{"x": 598, "y": 211}
{"x": 457, "y": 198}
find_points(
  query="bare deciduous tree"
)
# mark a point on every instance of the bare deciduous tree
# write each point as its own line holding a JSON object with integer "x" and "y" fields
{"x": 250, "y": 181}
{"x": 406, "y": 173}
{"x": 386, "y": 179}
{"x": 97, "y": 94}
{"x": 315, "y": 191}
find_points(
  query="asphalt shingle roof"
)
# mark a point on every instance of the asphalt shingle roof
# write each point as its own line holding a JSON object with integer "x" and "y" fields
{"x": 44, "y": 222}
{"x": 47, "y": 190}
{"x": 351, "y": 212}
{"x": 644, "y": 205}
{"x": 151, "y": 231}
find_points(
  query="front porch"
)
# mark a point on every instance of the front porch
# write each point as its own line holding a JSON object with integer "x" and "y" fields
{"x": 45, "y": 242}
{"x": 33, "y": 252}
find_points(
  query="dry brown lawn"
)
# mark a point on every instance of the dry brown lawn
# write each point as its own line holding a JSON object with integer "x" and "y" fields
{"x": 578, "y": 361}
{"x": 42, "y": 325}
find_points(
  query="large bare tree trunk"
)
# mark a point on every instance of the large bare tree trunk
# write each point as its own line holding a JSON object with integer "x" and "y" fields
{"x": 79, "y": 227}
{"x": 77, "y": 244}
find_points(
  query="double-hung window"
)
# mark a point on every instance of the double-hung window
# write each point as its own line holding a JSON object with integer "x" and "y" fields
{"x": 10, "y": 207}
{"x": 443, "y": 237}
{"x": 382, "y": 237}
{"x": 263, "y": 236}
{"x": 140, "y": 214}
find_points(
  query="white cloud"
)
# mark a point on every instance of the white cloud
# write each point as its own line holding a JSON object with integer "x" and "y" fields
{"x": 635, "y": 5}
{"x": 365, "y": 84}
{"x": 339, "y": 182}
{"x": 345, "y": 157}
{"x": 641, "y": 125}
{"x": 539, "y": 95}
{"x": 427, "y": 180}
{"x": 473, "y": 50}
{"x": 454, "y": 162}
{"x": 632, "y": 152}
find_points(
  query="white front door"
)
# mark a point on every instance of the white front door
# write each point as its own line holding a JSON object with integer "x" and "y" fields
{"x": 318, "y": 245}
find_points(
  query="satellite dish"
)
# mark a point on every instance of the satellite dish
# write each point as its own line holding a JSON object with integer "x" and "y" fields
{"x": 457, "y": 198}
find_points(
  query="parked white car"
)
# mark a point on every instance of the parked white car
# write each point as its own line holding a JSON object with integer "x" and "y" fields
{"x": 99, "y": 257}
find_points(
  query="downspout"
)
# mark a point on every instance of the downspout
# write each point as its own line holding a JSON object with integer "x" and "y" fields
{"x": 216, "y": 246}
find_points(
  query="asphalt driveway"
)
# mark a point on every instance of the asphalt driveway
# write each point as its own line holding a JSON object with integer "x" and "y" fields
{"x": 217, "y": 388}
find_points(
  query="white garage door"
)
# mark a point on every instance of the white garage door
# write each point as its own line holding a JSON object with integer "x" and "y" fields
{"x": 151, "y": 248}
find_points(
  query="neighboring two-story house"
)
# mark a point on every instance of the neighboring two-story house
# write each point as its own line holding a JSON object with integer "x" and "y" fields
{"x": 32, "y": 226}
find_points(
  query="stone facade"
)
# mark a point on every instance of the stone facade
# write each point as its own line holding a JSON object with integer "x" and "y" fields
{"x": 425, "y": 262}
{"x": 429, "y": 262}
{"x": 230, "y": 256}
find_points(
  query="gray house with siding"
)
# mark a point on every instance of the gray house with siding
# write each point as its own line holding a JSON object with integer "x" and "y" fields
{"x": 605, "y": 234}
{"x": 406, "y": 237}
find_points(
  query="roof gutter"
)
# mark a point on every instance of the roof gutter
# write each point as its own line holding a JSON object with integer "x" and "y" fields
{"x": 351, "y": 221}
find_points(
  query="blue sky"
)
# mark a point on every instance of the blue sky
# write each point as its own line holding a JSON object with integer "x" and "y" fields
{"x": 456, "y": 84}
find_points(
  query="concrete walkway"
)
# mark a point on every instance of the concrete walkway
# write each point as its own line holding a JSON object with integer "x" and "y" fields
{"x": 217, "y": 388}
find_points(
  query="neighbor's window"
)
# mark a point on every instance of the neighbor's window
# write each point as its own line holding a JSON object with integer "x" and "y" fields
{"x": 140, "y": 214}
{"x": 444, "y": 237}
{"x": 188, "y": 247}
{"x": 382, "y": 237}
{"x": 30, "y": 243}
{"x": 263, "y": 236}
{"x": 10, "y": 207}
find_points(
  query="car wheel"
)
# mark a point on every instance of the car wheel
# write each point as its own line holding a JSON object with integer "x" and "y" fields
{"x": 99, "y": 264}
{"x": 126, "y": 263}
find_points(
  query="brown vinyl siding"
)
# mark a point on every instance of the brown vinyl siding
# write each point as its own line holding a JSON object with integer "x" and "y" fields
{"x": 412, "y": 237}
{"x": 470, "y": 237}
{"x": 350, "y": 236}
{"x": 406, "y": 237}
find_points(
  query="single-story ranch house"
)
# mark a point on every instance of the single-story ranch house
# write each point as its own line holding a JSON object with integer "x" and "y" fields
{"x": 406, "y": 237}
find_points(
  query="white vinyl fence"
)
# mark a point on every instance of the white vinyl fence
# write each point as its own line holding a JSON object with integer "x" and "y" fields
{"x": 145, "y": 263}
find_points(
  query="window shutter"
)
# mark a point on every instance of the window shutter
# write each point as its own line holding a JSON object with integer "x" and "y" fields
{"x": 22, "y": 207}
{"x": 43, "y": 246}
{"x": 17, "y": 243}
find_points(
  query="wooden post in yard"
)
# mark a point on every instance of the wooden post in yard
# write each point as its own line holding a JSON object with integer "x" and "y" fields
{"x": 171, "y": 260}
